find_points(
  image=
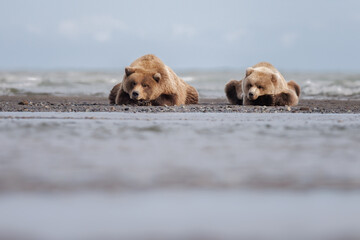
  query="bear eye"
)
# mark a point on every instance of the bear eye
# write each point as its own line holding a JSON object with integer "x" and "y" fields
{"x": 133, "y": 84}
{"x": 249, "y": 85}
{"x": 260, "y": 87}
{"x": 145, "y": 85}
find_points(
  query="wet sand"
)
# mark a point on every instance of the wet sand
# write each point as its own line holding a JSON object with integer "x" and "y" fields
{"x": 111, "y": 152}
{"x": 41, "y": 103}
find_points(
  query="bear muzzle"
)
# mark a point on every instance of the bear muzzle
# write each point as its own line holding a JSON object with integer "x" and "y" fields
{"x": 135, "y": 95}
{"x": 252, "y": 96}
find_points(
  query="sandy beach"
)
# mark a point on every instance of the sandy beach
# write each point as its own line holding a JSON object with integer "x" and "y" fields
{"x": 39, "y": 103}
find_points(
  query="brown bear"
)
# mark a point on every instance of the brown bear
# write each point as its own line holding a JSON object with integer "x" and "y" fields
{"x": 148, "y": 81}
{"x": 263, "y": 85}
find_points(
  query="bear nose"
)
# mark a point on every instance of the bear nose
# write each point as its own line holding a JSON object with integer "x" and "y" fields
{"x": 135, "y": 94}
{"x": 251, "y": 94}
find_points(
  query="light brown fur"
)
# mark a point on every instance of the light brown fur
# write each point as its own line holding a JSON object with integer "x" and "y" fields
{"x": 149, "y": 80}
{"x": 263, "y": 85}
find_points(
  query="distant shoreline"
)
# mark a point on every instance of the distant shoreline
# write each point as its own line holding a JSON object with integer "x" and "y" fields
{"x": 41, "y": 103}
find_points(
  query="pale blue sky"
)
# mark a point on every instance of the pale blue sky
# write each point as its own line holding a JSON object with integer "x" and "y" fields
{"x": 109, "y": 34}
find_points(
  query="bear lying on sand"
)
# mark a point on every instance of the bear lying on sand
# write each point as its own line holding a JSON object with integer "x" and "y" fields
{"x": 263, "y": 85}
{"x": 148, "y": 81}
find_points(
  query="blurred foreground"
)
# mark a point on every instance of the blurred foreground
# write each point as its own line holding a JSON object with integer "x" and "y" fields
{"x": 179, "y": 176}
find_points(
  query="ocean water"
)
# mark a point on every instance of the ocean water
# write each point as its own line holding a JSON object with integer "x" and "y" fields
{"x": 210, "y": 84}
{"x": 179, "y": 176}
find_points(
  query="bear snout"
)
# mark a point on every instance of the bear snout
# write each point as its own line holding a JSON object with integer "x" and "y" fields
{"x": 252, "y": 96}
{"x": 135, "y": 95}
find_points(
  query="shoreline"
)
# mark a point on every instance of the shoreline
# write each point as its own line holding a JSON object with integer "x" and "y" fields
{"x": 41, "y": 103}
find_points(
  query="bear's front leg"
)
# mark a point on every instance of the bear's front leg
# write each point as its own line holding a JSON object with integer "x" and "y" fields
{"x": 164, "y": 99}
{"x": 113, "y": 93}
{"x": 231, "y": 91}
{"x": 123, "y": 98}
{"x": 295, "y": 87}
{"x": 192, "y": 96}
{"x": 264, "y": 100}
{"x": 286, "y": 98}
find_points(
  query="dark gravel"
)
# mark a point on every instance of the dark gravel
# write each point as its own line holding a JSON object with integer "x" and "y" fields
{"x": 99, "y": 104}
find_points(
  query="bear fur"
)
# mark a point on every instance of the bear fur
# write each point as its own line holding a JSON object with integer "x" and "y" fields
{"x": 148, "y": 81}
{"x": 263, "y": 85}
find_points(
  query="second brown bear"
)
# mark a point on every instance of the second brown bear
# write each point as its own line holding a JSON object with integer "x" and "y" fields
{"x": 263, "y": 85}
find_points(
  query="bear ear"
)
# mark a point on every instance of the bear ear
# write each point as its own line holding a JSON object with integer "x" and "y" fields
{"x": 274, "y": 77}
{"x": 129, "y": 71}
{"x": 157, "y": 77}
{"x": 249, "y": 70}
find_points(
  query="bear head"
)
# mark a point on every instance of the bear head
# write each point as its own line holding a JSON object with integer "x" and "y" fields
{"x": 141, "y": 85}
{"x": 259, "y": 82}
